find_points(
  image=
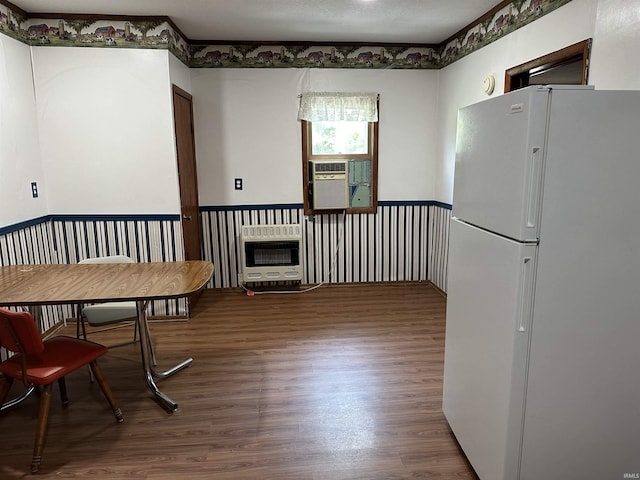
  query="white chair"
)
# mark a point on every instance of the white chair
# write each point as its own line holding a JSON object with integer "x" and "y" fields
{"x": 102, "y": 314}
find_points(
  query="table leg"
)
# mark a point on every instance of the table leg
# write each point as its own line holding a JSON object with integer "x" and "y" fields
{"x": 148, "y": 361}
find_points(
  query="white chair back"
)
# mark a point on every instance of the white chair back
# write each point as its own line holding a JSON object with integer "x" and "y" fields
{"x": 108, "y": 259}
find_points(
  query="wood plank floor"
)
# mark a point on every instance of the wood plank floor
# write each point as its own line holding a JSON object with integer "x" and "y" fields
{"x": 337, "y": 383}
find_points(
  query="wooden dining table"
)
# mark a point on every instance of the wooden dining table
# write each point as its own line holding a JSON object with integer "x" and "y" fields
{"x": 56, "y": 284}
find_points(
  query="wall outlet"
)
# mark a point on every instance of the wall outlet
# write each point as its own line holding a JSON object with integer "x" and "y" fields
{"x": 34, "y": 189}
{"x": 238, "y": 183}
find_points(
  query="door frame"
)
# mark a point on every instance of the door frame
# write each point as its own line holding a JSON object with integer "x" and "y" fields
{"x": 573, "y": 53}
{"x": 185, "y": 138}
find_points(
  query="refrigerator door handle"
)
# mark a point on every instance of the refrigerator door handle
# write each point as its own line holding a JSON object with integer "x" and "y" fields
{"x": 526, "y": 294}
{"x": 535, "y": 176}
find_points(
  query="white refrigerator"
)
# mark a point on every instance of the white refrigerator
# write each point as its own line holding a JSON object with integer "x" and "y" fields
{"x": 542, "y": 348}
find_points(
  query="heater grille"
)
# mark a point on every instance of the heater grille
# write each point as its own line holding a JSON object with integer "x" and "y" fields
{"x": 271, "y": 252}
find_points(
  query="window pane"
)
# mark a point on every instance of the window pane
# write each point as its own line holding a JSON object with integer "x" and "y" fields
{"x": 335, "y": 138}
{"x": 360, "y": 183}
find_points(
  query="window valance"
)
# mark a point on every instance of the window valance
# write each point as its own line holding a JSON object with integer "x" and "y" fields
{"x": 338, "y": 106}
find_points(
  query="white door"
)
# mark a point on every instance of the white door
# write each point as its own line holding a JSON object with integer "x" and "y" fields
{"x": 499, "y": 163}
{"x": 487, "y": 332}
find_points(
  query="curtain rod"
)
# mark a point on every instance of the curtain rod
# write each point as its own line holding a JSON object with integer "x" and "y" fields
{"x": 300, "y": 94}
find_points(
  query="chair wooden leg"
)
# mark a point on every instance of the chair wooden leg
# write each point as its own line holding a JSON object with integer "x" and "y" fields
{"x": 80, "y": 323}
{"x": 62, "y": 385}
{"x": 5, "y": 386}
{"x": 41, "y": 431}
{"x": 99, "y": 376}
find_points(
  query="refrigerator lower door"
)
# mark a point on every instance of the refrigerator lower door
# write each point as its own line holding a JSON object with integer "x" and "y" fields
{"x": 489, "y": 302}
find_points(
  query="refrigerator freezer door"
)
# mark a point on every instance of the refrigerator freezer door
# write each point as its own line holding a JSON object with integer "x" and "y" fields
{"x": 500, "y": 162}
{"x": 487, "y": 335}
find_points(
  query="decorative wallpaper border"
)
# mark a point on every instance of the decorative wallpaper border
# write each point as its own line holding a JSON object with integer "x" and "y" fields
{"x": 91, "y": 32}
{"x": 314, "y": 56}
{"x": 501, "y": 21}
{"x": 160, "y": 33}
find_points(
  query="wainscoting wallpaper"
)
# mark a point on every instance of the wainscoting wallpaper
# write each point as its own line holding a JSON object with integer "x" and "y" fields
{"x": 31, "y": 243}
{"x": 153, "y": 238}
{"x": 404, "y": 241}
{"x": 60, "y": 239}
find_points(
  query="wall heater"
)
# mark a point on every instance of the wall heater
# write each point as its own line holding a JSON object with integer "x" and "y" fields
{"x": 271, "y": 252}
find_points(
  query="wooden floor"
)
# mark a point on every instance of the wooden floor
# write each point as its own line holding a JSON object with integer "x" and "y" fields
{"x": 337, "y": 383}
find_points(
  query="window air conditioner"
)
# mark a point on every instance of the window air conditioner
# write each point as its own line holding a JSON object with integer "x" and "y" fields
{"x": 329, "y": 184}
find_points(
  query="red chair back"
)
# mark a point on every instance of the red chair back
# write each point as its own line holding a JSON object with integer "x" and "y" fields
{"x": 19, "y": 333}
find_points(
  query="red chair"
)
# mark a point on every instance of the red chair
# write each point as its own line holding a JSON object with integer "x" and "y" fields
{"x": 41, "y": 363}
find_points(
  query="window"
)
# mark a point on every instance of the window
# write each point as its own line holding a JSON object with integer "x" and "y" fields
{"x": 339, "y": 152}
{"x": 568, "y": 66}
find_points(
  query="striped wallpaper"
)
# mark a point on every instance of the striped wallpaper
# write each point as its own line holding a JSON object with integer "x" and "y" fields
{"x": 30, "y": 243}
{"x": 144, "y": 238}
{"x": 404, "y": 241}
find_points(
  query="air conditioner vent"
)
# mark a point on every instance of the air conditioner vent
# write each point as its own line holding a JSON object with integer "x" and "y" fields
{"x": 321, "y": 167}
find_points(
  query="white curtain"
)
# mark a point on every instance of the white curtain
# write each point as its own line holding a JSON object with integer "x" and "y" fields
{"x": 338, "y": 106}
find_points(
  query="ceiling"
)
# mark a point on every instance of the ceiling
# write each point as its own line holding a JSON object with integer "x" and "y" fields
{"x": 366, "y": 21}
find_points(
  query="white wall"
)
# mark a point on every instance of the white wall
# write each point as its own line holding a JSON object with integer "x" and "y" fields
{"x": 246, "y": 127}
{"x": 20, "y": 162}
{"x": 461, "y": 83}
{"x": 179, "y": 74}
{"x": 106, "y": 130}
{"x": 101, "y": 139}
{"x": 615, "y": 59}
{"x": 614, "y": 26}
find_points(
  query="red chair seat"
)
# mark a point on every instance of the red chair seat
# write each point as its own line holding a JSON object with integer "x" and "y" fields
{"x": 62, "y": 355}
